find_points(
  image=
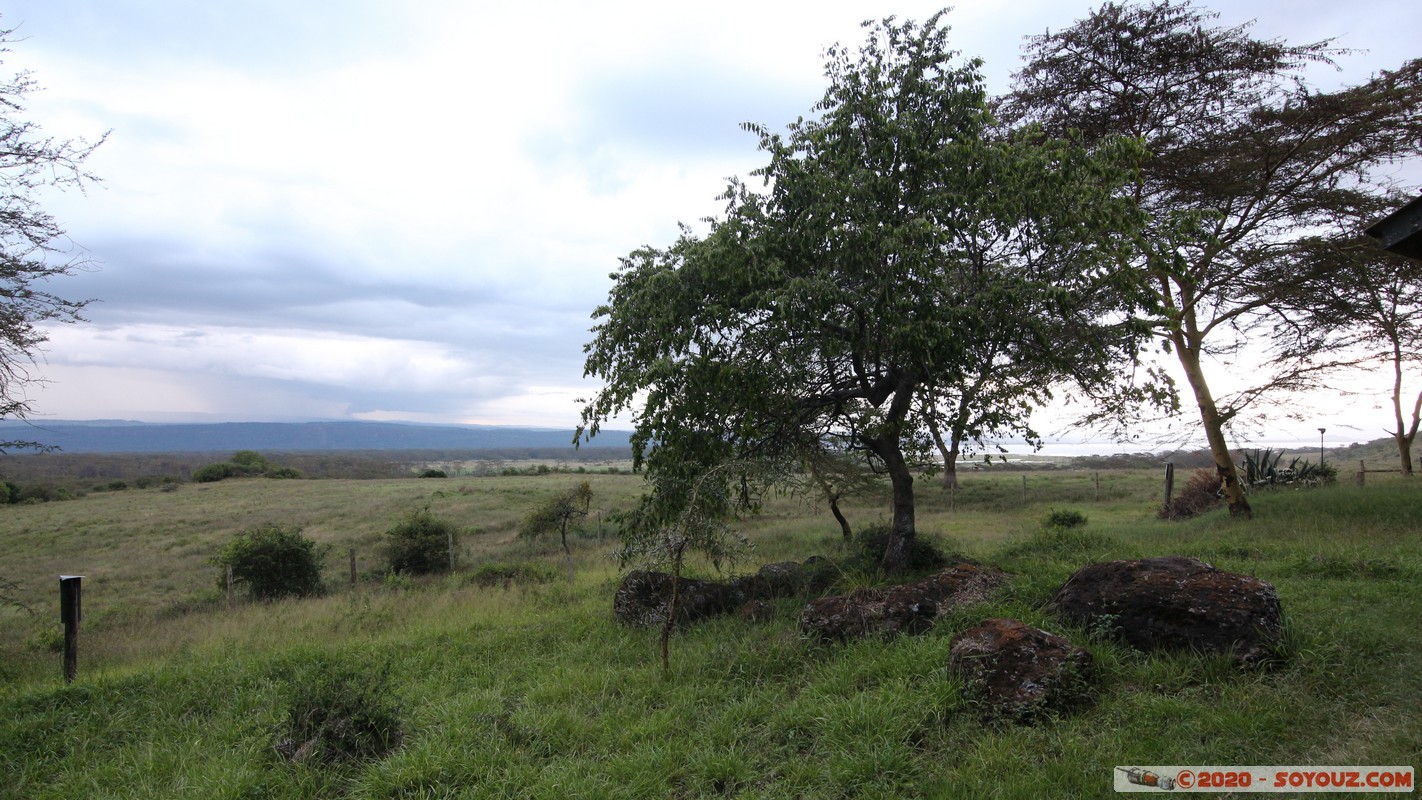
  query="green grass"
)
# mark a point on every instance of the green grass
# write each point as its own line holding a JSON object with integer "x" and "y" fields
{"x": 531, "y": 690}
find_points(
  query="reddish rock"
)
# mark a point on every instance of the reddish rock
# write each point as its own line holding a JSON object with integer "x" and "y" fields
{"x": 908, "y": 608}
{"x": 1019, "y": 672}
{"x": 1175, "y": 603}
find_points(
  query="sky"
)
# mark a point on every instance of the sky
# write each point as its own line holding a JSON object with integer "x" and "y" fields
{"x": 370, "y": 210}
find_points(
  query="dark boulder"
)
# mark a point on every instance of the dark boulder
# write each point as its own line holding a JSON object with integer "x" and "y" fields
{"x": 643, "y": 598}
{"x": 1018, "y": 672}
{"x": 908, "y": 608}
{"x": 1175, "y": 603}
{"x": 789, "y": 579}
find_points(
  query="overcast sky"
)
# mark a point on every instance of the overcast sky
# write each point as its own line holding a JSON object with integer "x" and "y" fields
{"x": 407, "y": 211}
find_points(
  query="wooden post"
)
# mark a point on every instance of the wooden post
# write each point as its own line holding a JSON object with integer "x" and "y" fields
{"x": 1096, "y": 476}
{"x": 1169, "y": 484}
{"x": 353, "y": 568}
{"x": 70, "y": 614}
{"x": 1362, "y": 472}
{"x": 450, "y": 535}
{"x": 229, "y": 584}
{"x": 1024, "y": 488}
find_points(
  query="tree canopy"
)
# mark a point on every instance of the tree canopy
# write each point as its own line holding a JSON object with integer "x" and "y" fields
{"x": 1246, "y": 165}
{"x": 898, "y": 234}
{"x": 32, "y": 243}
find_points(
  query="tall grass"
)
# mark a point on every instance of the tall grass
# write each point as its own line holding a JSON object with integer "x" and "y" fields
{"x": 531, "y": 690}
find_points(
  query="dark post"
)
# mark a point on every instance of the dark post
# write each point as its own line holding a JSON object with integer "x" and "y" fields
{"x": 1169, "y": 484}
{"x": 450, "y": 535}
{"x": 1097, "y": 477}
{"x": 229, "y": 584}
{"x": 1362, "y": 472}
{"x": 353, "y": 568}
{"x": 1024, "y": 488}
{"x": 69, "y": 614}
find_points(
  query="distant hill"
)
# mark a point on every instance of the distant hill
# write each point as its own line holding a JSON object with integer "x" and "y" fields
{"x": 118, "y": 436}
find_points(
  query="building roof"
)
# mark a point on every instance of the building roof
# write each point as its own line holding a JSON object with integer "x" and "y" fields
{"x": 1401, "y": 231}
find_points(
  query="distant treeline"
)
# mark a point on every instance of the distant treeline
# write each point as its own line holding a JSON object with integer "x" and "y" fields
{"x": 79, "y": 469}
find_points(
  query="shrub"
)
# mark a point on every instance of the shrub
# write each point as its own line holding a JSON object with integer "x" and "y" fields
{"x": 214, "y": 472}
{"x": 1201, "y": 493}
{"x": 282, "y": 472}
{"x": 337, "y": 714}
{"x": 1064, "y": 519}
{"x": 273, "y": 561}
{"x": 923, "y": 553}
{"x": 434, "y": 473}
{"x": 420, "y": 544}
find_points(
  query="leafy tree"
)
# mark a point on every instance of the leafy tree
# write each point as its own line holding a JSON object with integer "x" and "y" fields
{"x": 1245, "y": 163}
{"x": 274, "y": 561}
{"x": 894, "y": 233}
{"x": 32, "y": 244}
{"x": 1372, "y": 306}
{"x": 555, "y": 513}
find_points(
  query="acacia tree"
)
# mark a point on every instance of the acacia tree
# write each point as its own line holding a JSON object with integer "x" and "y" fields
{"x": 1245, "y": 163}
{"x": 1371, "y": 307}
{"x": 892, "y": 235}
{"x": 32, "y": 244}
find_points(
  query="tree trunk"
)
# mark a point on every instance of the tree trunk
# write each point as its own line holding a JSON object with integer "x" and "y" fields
{"x": 1213, "y": 423}
{"x": 839, "y": 517}
{"x": 901, "y": 537}
{"x": 950, "y": 454}
{"x": 1403, "y": 434}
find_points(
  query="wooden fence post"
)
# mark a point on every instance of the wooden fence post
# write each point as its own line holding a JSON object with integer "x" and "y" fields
{"x": 450, "y": 535}
{"x": 353, "y": 568}
{"x": 70, "y": 614}
{"x": 229, "y": 584}
{"x": 1096, "y": 476}
{"x": 1169, "y": 484}
{"x": 1362, "y": 472}
{"x": 1024, "y": 488}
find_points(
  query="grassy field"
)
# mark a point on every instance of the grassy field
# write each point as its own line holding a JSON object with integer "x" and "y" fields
{"x": 533, "y": 691}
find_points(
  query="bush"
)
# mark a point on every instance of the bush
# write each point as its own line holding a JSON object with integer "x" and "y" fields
{"x": 273, "y": 562}
{"x": 924, "y": 555}
{"x": 1201, "y": 493}
{"x": 434, "y": 473}
{"x": 1064, "y": 519}
{"x": 337, "y": 714}
{"x": 214, "y": 472}
{"x": 420, "y": 544}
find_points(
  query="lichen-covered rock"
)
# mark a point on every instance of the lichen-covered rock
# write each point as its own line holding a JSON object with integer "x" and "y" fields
{"x": 909, "y": 608}
{"x": 643, "y": 599}
{"x": 1175, "y": 603}
{"x": 1017, "y": 672}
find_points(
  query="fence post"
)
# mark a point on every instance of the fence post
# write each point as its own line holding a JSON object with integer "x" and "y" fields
{"x": 70, "y": 614}
{"x": 1097, "y": 477}
{"x": 1362, "y": 472}
{"x": 229, "y": 584}
{"x": 1169, "y": 484}
{"x": 1024, "y": 488}
{"x": 450, "y": 535}
{"x": 353, "y": 568}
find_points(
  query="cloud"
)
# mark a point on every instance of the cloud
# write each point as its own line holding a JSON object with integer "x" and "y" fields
{"x": 408, "y": 211}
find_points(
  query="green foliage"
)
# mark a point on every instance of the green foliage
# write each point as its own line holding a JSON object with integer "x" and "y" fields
{"x": 1066, "y": 518}
{"x": 555, "y": 513}
{"x": 420, "y": 544}
{"x": 924, "y": 555}
{"x": 244, "y": 463}
{"x": 337, "y": 713}
{"x": 273, "y": 561}
{"x": 434, "y": 473}
{"x": 1262, "y": 471}
{"x": 898, "y": 236}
